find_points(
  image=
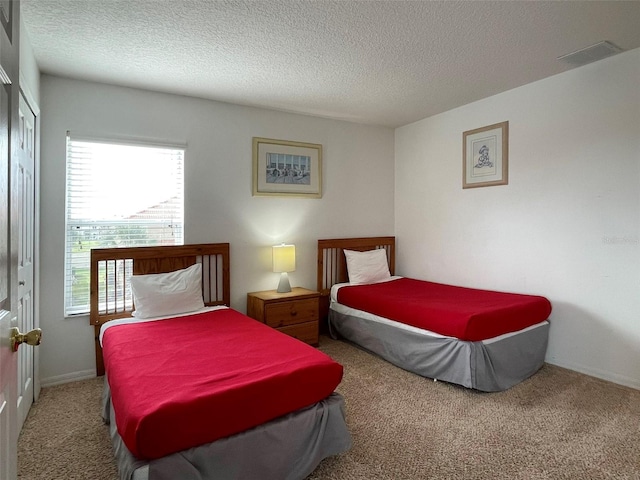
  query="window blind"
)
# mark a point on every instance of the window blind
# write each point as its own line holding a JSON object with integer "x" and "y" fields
{"x": 118, "y": 195}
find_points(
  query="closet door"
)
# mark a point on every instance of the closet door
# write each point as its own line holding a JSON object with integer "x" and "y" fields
{"x": 27, "y": 355}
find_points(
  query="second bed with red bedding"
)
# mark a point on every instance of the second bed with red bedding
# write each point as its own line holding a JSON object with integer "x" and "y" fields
{"x": 464, "y": 313}
{"x": 480, "y": 339}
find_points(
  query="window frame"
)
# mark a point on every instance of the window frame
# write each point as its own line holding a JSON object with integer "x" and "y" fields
{"x": 175, "y": 227}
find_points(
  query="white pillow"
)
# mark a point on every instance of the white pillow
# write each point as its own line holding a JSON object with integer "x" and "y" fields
{"x": 160, "y": 294}
{"x": 367, "y": 267}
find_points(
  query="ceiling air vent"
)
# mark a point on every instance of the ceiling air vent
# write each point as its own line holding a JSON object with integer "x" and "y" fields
{"x": 590, "y": 54}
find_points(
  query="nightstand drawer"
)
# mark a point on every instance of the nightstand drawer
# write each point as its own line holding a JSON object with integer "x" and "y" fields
{"x": 294, "y": 313}
{"x": 291, "y": 312}
{"x": 307, "y": 332}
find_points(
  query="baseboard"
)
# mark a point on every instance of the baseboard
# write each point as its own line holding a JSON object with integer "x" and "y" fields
{"x": 67, "y": 377}
{"x": 601, "y": 374}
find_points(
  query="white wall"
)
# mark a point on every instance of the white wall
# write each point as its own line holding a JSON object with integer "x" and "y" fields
{"x": 29, "y": 72}
{"x": 568, "y": 224}
{"x": 219, "y": 207}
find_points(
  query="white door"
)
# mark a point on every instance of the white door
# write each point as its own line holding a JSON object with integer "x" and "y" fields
{"x": 9, "y": 78}
{"x": 27, "y": 355}
{"x": 8, "y": 360}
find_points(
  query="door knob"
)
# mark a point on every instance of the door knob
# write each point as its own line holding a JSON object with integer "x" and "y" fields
{"x": 33, "y": 337}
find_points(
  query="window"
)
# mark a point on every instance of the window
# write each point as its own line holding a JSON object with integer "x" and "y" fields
{"x": 118, "y": 195}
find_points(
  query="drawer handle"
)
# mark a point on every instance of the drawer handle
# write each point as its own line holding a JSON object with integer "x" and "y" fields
{"x": 294, "y": 313}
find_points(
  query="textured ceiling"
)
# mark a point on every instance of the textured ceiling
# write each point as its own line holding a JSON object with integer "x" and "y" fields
{"x": 376, "y": 62}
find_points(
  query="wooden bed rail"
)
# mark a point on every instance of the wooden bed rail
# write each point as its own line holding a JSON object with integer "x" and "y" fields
{"x": 112, "y": 268}
{"x": 332, "y": 265}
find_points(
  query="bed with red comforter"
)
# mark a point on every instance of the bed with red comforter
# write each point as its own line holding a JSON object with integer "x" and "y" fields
{"x": 480, "y": 339}
{"x": 195, "y": 390}
{"x": 464, "y": 313}
{"x": 208, "y": 382}
{"x": 204, "y": 382}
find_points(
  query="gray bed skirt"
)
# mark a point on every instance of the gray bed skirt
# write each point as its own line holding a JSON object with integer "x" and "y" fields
{"x": 490, "y": 366}
{"x": 287, "y": 448}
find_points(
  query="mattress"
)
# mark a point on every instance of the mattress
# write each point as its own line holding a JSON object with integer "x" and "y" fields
{"x": 464, "y": 313}
{"x": 180, "y": 382}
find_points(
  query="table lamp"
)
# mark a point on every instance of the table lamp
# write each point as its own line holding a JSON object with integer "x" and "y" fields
{"x": 284, "y": 261}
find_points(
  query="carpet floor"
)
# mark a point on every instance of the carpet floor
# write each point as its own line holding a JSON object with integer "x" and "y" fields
{"x": 558, "y": 424}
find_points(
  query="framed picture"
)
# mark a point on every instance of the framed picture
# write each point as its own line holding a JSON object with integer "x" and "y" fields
{"x": 286, "y": 168}
{"x": 485, "y": 156}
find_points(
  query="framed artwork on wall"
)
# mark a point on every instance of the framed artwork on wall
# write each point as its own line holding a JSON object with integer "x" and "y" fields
{"x": 286, "y": 168}
{"x": 485, "y": 156}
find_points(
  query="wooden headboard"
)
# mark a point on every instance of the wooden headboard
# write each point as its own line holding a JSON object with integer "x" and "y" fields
{"x": 332, "y": 266}
{"x": 111, "y": 270}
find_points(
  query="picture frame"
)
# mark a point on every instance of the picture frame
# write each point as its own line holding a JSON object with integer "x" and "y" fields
{"x": 286, "y": 168}
{"x": 485, "y": 156}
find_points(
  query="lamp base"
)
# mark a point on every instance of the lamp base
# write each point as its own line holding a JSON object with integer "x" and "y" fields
{"x": 284, "y": 286}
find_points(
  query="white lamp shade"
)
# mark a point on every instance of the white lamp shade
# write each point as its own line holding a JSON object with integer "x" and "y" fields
{"x": 284, "y": 258}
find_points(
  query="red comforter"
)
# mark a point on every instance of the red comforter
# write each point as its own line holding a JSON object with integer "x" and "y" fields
{"x": 187, "y": 381}
{"x": 464, "y": 313}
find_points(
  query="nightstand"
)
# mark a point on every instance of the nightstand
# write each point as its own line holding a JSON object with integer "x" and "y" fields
{"x": 295, "y": 313}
